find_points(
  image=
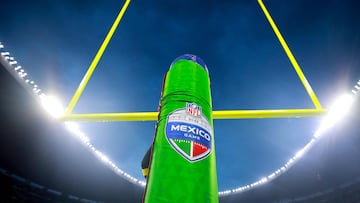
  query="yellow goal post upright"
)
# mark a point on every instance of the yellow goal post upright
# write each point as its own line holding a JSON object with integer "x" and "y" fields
{"x": 220, "y": 114}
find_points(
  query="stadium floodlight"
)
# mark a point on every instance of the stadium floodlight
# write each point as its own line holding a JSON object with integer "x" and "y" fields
{"x": 22, "y": 75}
{"x": 263, "y": 180}
{"x": 5, "y": 53}
{"x": 337, "y": 111}
{"x": 105, "y": 159}
{"x": 13, "y": 62}
{"x": 271, "y": 176}
{"x": 53, "y": 106}
{"x": 74, "y": 129}
{"x": 300, "y": 153}
{"x": 17, "y": 68}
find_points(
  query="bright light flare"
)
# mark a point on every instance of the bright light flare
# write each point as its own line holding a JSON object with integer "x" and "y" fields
{"x": 53, "y": 106}
{"x": 74, "y": 128}
{"x": 336, "y": 113}
{"x": 105, "y": 159}
{"x": 300, "y": 153}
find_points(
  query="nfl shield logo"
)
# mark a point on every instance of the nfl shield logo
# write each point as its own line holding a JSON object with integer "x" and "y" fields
{"x": 189, "y": 133}
{"x": 193, "y": 109}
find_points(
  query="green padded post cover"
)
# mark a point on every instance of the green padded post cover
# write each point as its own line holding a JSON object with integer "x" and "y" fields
{"x": 183, "y": 163}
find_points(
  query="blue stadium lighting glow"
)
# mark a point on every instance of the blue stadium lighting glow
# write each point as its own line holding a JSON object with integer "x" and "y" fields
{"x": 53, "y": 106}
{"x": 336, "y": 113}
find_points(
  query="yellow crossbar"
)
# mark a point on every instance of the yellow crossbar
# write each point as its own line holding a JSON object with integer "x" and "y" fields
{"x": 232, "y": 114}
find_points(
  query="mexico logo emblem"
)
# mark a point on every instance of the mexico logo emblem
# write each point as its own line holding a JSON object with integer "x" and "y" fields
{"x": 189, "y": 132}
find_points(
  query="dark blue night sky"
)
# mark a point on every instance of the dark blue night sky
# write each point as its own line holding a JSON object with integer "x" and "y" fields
{"x": 56, "y": 40}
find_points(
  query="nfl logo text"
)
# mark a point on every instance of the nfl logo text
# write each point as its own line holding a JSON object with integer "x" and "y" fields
{"x": 193, "y": 109}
